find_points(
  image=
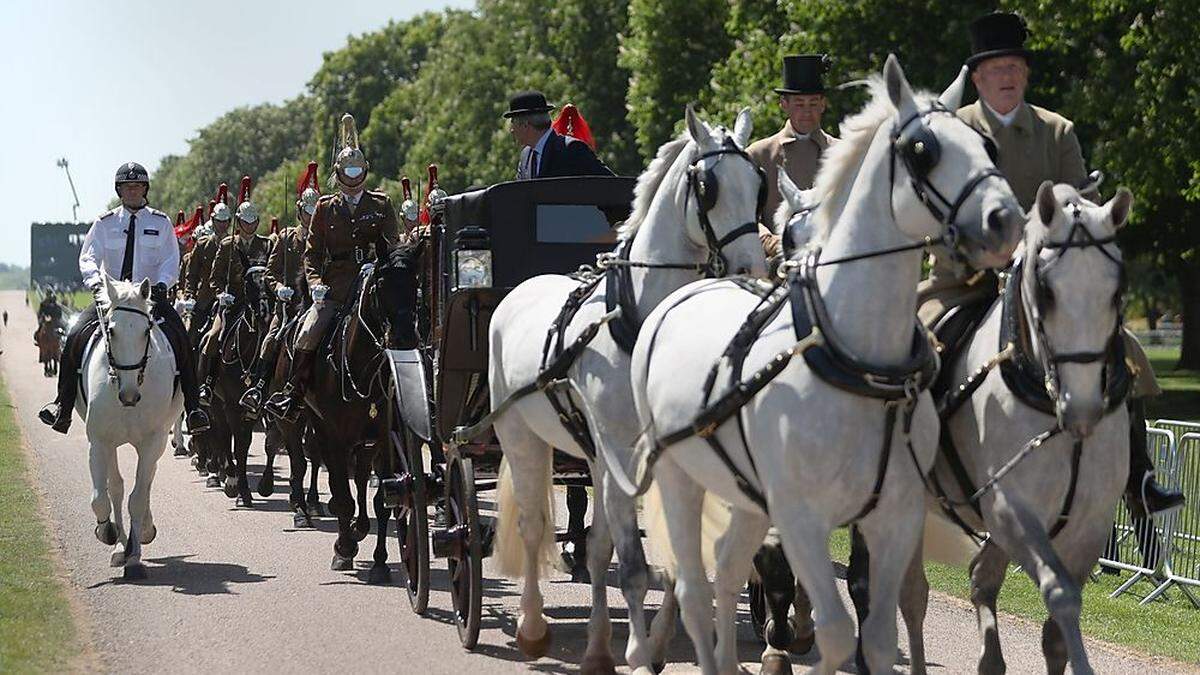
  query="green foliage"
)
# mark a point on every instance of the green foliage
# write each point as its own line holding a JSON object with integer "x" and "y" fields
{"x": 13, "y": 277}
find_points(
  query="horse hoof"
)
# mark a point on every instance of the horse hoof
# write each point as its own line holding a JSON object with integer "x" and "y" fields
{"x": 180, "y": 450}
{"x": 360, "y": 529}
{"x": 802, "y": 641}
{"x": 315, "y": 508}
{"x": 134, "y": 572}
{"x": 380, "y": 575}
{"x": 106, "y": 533}
{"x": 536, "y": 648}
{"x": 266, "y": 484}
{"x": 775, "y": 664}
{"x": 117, "y": 558}
{"x": 212, "y": 481}
{"x": 300, "y": 520}
{"x": 341, "y": 563}
{"x": 231, "y": 488}
{"x": 149, "y": 534}
{"x": 598, "y": 664}
{"x": 244, "y": 499}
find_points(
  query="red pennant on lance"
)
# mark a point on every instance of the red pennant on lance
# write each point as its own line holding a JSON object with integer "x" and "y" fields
{"x": 308, "y": 180}
{"x": 570, "y": 122}
{"x": 244, "y": 192}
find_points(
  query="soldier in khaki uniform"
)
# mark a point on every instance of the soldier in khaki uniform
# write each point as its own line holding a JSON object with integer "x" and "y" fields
{"x": 237, "y": 253}
{"x": 286, "y": 281}
{"x": 200, "y": 264}
{"x": 798, "y": 146}
{"x": 1035, "y": 145}
{"x": 349, "y": 228}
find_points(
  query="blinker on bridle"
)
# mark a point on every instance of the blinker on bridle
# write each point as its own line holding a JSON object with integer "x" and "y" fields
{"x": 113, "y": 366}
{"x": 703, "y": 183}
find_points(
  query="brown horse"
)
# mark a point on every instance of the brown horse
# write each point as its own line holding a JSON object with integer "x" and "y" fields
{"x": 49, "y": 341}
{"x": 297, "y": 437}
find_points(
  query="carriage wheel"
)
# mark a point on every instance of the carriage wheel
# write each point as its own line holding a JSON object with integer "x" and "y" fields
{"x": 758, "y": 608}
{"x": 412, "y": 520}
{"x": 465, "y": 562}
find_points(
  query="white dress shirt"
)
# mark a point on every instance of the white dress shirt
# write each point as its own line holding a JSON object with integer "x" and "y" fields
{"x": 155, "y": 253}
{"x": 1007, "y": 118}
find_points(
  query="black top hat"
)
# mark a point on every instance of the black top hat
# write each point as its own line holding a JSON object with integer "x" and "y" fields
{"x": 997, "y": 34}
{"x": 802, "y": 74}
{"x": 525, "y": 102}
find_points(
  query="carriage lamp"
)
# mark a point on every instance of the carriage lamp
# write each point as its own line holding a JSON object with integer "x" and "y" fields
{"x": 472, "y": 258}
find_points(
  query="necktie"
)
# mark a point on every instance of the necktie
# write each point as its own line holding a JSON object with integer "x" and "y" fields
{"x": 130, "y": 237}
{"x": 533, "y": 163}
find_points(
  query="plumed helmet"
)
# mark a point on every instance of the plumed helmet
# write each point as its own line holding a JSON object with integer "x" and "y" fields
{"x": 247, "y": 212}
{"x": 350, "y": 167}
{"x": 307, "y": 190}
{"x": 308, "y": 201}
{"x": 221, "y": 212}
{"x": 132, "y": 172}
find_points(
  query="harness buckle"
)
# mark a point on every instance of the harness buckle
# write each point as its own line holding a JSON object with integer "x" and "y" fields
{"x": 358, "y": 255}
{"x": 707, "y": 430}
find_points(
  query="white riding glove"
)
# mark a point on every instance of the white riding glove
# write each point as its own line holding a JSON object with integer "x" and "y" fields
{"x": 318, "y": 293}
{"x": 410, "y": 210}
{"x": 189, "y": 305}
{"x": 284, "y": 293}
{"x": 226, "y": 299}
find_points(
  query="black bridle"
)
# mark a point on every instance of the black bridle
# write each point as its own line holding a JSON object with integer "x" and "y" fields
{"x": 140, "y": 365}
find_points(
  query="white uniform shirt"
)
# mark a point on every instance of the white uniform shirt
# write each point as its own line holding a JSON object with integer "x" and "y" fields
{"x": 155, "y": 252}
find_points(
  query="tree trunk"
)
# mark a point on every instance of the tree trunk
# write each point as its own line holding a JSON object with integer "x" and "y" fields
{"x": 1188, "y": 276}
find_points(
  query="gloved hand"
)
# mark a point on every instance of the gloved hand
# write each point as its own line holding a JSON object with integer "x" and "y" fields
{"x": 318, "y": 293}
{"x": 284, "y": 293}
{"x": 189, "y": 305}
{"x": 226, "y": 299}
{"x": 158, "y": 293}
{"x": 409, "y": 210}
{"x": 98, "y": 294}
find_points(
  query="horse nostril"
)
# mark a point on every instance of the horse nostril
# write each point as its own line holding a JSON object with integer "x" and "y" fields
{"x": 999, "y": 219}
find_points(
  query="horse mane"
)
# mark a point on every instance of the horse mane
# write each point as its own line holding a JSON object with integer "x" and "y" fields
{"x": 843, "y": 160}
{"x": 650, "y": 181}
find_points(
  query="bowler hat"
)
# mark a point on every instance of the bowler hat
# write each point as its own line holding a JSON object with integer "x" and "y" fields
{"x": 802, "y": 74}
{"x": 997, "y": 34}
{"x": 526, "y": 102}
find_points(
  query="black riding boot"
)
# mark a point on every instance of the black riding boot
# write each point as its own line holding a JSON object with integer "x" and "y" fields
{"x": 204, "y": 393}
{"x": 58, "y": 414}
{"x": 1143, "y": 495}
{"x": 286, "y": 403}
{"x": 264, "y": 371}
{"x": 176, "y": 333}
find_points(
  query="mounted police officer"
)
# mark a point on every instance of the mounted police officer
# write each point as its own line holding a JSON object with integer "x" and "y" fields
{"x": 133, "y": 241}
{"x": 1034, "y": 145}
{"x": 237, "y": 253}
{"x": 351, "y": 227}
{"x": 799, "y": 145}
{"x": 286, "y": 282}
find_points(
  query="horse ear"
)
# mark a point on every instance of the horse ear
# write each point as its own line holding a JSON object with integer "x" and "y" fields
{"x": 1047, "y": 203}
{"x": 952, "y": 97}
{"x": 697, "y": 129}
{"x": 897, "y": 85}
{"x": 790, "y": 192}
{"x": 1119, "y": 207}
{"x": 144, "y": 289}
{"x": 743, "y": 127}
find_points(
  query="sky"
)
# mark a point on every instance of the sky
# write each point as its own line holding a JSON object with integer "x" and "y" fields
{"x": 104, "y": 82}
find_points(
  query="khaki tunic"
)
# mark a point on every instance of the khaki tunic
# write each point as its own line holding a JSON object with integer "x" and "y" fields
{"x": 800, "y": 156}
{"x": 285, "y": 265}
{"x": 198, "y": 269}
{"x": 229, "y": 268}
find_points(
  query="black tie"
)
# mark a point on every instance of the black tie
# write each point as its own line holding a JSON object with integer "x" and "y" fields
{"x": 533, "y": 165}
{"x": 127, "y": 263}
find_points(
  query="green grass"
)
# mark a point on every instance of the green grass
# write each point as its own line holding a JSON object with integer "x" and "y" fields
{"x": 1180, "y": 399}
{"x": 77, "y": 300}
{"x": 37, "y": 631}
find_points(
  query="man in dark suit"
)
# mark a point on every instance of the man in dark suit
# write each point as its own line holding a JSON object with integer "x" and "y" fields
{"x": 545, "y": 153}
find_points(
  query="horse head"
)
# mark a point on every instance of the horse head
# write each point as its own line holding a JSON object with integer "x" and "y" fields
{"x": 126, "y": 323}
{"x": 392, "y": 296}
{"x": 1072, "y": 283}
{"x": 944, "y": 178}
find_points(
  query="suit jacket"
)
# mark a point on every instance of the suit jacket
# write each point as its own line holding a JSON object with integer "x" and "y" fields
{"x": 800, "y": 157}
{"x": 563, "y": 156}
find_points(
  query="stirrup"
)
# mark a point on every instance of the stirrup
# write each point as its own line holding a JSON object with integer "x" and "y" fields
{"x": 252, "y": 399}
{"x": 49, "y": 414}
{"x": 282, "y": 406}
{"x": 205, "y": 395}
{"x": 198, "y": 422}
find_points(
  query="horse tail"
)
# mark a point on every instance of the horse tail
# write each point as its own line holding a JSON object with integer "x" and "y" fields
{"x": 946, "y": 543}
{"x": 509, "y": 552}
{"x": 714, "y": 521}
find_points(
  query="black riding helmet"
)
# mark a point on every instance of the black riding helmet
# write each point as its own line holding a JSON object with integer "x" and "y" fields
{"x": 132, "y": 172}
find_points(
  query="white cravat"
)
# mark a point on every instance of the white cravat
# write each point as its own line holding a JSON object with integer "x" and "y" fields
{"x": 1007, "y": 118}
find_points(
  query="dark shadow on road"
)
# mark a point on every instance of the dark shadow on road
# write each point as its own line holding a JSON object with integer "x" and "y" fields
{"x": 191, "y": 578}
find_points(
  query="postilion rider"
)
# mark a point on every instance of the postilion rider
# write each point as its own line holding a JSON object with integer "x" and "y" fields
{"x": 132, "y": 241}
{"x": 1035, "y": 145}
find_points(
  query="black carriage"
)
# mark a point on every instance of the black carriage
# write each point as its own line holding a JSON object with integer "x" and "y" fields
{"x": 489, "y": 241}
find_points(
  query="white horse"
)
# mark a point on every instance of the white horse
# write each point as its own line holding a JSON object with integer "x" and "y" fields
{"x": 128, "y": 395}
{"x": 695, "y": 205}
{"x": 907, "y": 171}
{"x": 1068, "y": 322}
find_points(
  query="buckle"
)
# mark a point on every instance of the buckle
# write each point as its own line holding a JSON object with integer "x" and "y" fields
{"x": 358, "y": 255}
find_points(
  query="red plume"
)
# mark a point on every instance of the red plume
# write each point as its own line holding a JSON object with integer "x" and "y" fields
{"x": 244, "y": 192}
{"x": 179, "y": 218}
{"x": 274, "y": 226}
{"x": 222, "y": 194}
{"x": 407, "y": 186}
{"x": 571, "y": 123}
{"x": 308, "y": 180}
{"x": 424, "y": 218}
{"x": 183, "y": 229}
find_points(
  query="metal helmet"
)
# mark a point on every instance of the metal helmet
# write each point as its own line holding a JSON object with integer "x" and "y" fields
{"x": 132, "y": 172}
{"x": 247, "y": 212}
{"x": 350, "y": 167}
{"x": 221, "y": 212}
{"x": 308, "y": 201}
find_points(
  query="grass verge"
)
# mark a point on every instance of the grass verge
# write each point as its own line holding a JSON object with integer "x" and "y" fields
{"x": 37, "y": 630}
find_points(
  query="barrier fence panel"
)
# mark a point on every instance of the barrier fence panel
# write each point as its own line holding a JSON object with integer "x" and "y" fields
{"x": 1182, "y": 559}
{"x": 1136, "y": 544}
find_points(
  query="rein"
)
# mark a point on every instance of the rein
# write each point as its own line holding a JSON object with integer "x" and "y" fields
{"x": 350, "y": 390}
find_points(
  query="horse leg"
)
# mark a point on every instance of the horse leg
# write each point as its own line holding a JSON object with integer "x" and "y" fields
{"x": 888, "y": 534}
{"x": 380, "y": 574}
{"x": 266, "y": 482}
{"x": 361, "y": 526}
{"x": 298, "y": 465}
{"x": 620, "y": 515}
{"x": 914, "y": 599}
{"x": 858, "y": 584}
{"x": 242, "y": 435}
{"x": 805, "y": 538}
{"x": 735, "y": 559}
{"x": 683, "y": 502}
{"x": 341, "y": 503}
{"x": 597, "y": 657}
{"x": 778, "y": 586}
{"x": 1032, "y": 549}
{"x": 988, "y": 569}
{"x": 106, "y": 486}
{"x": 314, "y": 496}
{"x": 141, "y": 523}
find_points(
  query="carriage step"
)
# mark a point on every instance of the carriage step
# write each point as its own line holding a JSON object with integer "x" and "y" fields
{"x": 453, "y": 542}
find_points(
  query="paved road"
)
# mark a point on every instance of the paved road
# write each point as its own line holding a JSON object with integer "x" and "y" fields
{"x": 231, "y": 588}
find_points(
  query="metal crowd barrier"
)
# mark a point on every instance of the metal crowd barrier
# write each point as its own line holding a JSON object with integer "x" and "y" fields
{"x": 1181, "y": 566}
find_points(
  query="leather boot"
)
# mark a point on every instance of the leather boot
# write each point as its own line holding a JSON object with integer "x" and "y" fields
{"x": 286, "y": 403}
{"x": 1143, "y": 495}
{"x": 252, "y": 400}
